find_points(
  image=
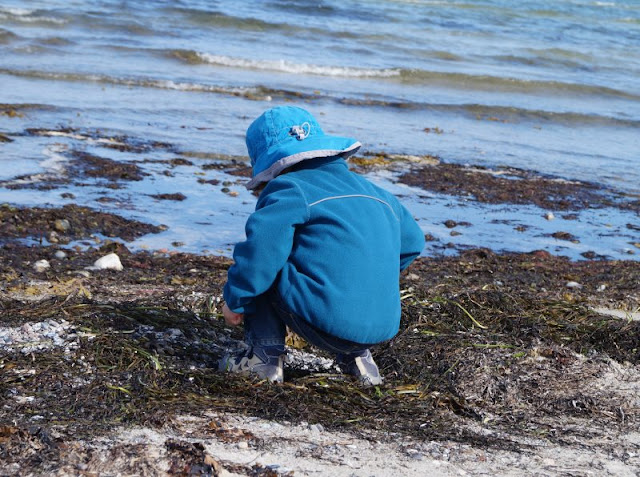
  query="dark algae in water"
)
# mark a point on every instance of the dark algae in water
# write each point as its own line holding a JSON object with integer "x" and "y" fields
{"x": 70, "y": 222}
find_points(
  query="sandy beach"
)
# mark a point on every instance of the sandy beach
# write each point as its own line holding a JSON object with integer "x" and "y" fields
{"x": 505, "y": 363}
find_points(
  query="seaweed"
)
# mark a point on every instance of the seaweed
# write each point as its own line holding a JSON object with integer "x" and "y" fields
{"x": 471, "y": 353}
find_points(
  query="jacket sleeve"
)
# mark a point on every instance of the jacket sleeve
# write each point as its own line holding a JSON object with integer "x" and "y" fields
{"x": 270, "y": 231}
{"x": 411, "y": 238}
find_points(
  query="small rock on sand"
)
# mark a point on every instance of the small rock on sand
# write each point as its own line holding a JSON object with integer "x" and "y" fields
{"x": 108, "y": 262}
{"x": 41, "y": 265}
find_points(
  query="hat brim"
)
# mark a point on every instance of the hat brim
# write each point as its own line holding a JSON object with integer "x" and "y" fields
{"x": 294, "y": 152}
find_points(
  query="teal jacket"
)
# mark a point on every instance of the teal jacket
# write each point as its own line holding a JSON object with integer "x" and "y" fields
{"x": 335, "y": 245}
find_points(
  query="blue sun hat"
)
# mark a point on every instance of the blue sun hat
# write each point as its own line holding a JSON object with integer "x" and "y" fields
{"x": 286, "y": 135}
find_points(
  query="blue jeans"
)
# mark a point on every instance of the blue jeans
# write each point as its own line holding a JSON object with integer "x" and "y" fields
{"x": 266, "y": 321}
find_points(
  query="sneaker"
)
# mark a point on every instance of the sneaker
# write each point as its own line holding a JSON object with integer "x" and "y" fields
{"x": 266, "y": 363}
{"x": 362, "y": 366}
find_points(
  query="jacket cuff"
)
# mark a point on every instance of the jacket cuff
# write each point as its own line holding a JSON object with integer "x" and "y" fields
{"x": 229, "y": 302}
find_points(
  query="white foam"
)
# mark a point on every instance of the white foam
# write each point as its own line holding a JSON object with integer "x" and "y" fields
{"x": 54, "y": 161}
{"x": 24, "y": 15}
{"x": 297, "y": 68}
{"x": 16, "y": 11}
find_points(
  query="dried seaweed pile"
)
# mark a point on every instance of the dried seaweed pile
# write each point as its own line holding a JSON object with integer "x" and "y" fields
{"x": 487, "y": 341}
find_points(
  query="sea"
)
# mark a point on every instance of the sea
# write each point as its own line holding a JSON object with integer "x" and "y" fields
{"x": 551, "y": 86}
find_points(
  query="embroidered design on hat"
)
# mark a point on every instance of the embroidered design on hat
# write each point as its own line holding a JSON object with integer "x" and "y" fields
{"x": 301, "y": 132}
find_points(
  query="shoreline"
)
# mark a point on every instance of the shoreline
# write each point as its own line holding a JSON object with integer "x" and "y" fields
{"x": 202, "y": 199}
{"x": 515, "y": 363}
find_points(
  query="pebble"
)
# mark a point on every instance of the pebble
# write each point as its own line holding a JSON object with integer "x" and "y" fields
{"x": 60, "y": 255}
{"x": 573, "y": 285}
{"x": 41, "y": 265}
{"x": 317, "y": 427}
{"x": 108, "y": 262}
{"x": 53, "y": 237}
{"x": 549, "y": 216}
{"x": 61, "y": 225}
{"x": 174, "y": 333}
{"x": 602, "y": 287}
{"x": 242, "y": 445}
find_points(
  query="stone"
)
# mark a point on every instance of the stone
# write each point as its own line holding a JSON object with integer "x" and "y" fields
{"x": 53, "y": 237}
{"x": 108, "y": 262}
{"x": 41, "y": 265}
{"x": 62, "y": 225}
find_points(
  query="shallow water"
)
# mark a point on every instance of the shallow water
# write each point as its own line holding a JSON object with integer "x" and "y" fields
{"x": 550, "y": 86}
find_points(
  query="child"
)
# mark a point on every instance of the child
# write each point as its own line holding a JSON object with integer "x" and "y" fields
{"x": 323, "y": 252}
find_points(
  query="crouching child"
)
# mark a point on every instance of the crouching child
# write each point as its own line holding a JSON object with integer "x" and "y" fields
{"x": 323, "y": 251}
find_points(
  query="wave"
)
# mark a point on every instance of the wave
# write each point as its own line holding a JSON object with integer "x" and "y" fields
{"x": 406, "y": 75}
{"x": 247, "y": 93}
{"x": 235, "y": 23}
{"x": 283, "y": 66}
{"x": 16, "y": 11}
{"x": 505, "y": 84}
{"x": 7, "y": 36}
{"x": 263, "y": 93}
{"x": 219, "y": 19}
{"x": 506, "y": 114}
{"x": 25, "y": 15}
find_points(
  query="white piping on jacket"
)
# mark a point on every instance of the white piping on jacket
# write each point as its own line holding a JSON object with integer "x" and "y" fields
{"x": 355, "y": 195}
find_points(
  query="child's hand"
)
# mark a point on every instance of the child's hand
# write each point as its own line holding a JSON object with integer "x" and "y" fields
{"x": 231, "y": 318}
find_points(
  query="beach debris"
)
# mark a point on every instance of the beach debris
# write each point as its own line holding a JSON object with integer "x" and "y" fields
{"x": 602, "y": 288}
{"x": 565, "y": 236}
{"x": 316, "y": 428}
{"x": 53, "y": 237}
{"x": 61, "y": 225}
{"x": 60, "y": 255}
{"x": 108, "y": 262}
{"x": 450, "y": 224}
{"x": 622, "y": 314}
{"x": 41, "y": 265}
{"x": 309, "y": 362}
{"x": 549, "y": 216}
{"x": 178, "y": 196}
{"x": 573, "y": 284}
{"x": 37, "y": 336}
